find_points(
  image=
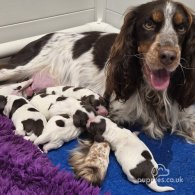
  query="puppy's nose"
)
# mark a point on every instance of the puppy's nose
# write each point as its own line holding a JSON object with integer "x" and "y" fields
{"x": 167, "y": 57}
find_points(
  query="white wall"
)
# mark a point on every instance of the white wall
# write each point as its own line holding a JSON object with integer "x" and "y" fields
{"x": 20, "y": 19}
{"x": 115, "y": 9}
{"x": 25, "y": 18}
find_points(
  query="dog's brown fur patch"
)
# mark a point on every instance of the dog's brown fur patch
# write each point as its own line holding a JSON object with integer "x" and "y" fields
{"x": 157, "y": 16}
{"x": 178, "y": 18}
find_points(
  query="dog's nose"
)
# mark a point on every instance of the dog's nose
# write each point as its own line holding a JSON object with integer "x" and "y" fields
{"x": 167, "y": 57}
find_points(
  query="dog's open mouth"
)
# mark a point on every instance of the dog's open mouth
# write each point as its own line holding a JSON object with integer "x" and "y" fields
{"x": 159, "y": 79}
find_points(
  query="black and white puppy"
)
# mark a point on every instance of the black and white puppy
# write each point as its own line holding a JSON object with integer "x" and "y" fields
{"x": 43, "y": 102}
{"x": 52, "y": 105}
{"x": 87, "y": 96}
{"x": 16, "y": 88}
{"x": 58, "y": 130}
{"x": 132, "y": 154}
{"x": 28, "y": 121}
{"x": 67, "y": 116}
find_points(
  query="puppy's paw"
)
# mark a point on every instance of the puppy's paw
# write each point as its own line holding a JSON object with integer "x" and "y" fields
{"x": 52, "y": 145}
{"x": 42, "y": 139}
{"x": 19, "y": 132}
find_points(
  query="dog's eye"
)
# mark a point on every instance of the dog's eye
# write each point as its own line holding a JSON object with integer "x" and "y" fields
{"x": 181, "y": 29}
{"x": 149, "y": 25}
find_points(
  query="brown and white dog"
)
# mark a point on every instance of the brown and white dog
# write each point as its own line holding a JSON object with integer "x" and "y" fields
{"x": 149, "y": 65}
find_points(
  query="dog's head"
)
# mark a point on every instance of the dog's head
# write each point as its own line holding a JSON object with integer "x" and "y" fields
{"x": 155, "y": 46}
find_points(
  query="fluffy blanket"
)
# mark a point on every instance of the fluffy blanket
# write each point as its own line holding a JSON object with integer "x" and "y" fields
{"x": 25, "y": 170}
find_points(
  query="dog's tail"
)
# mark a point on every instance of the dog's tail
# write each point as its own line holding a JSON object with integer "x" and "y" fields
{"x": 154, "y": 186}
{"x": 86, "y": 162}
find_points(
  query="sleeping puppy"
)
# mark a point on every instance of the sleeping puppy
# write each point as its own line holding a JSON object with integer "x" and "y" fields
{"x": 87, "y": 96}
{"x": 132, "y": 154}
{"x": 16, "y": 88}
{"x": 58, "y": 130}
{"x": 43, "y": 102}
{"x": 52, "y": 105}
{"x": 27, "y": 120}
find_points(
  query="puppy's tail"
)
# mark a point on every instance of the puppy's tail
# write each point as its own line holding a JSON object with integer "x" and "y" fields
{"x": 87, "y": 162}
{"x": 154, "y": 186}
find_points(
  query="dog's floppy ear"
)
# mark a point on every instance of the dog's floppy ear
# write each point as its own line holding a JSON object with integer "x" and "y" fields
{"x": 182, "y": 86}
{"x": 123, "y": 73}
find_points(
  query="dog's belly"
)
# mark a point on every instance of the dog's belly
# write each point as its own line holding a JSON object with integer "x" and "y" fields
{"x": 40, "y": 81}
{"x": 44, "y": 79}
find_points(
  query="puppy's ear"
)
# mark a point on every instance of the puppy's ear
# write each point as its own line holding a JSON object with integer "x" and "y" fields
{"x": 182, "y": 86}
{"x": 80, "y": 119}
{"x": 85, "y": 100}
{"x": 3, "y": 102}
{"x": 123, "y": 69}
{"x": 96, "y": 129}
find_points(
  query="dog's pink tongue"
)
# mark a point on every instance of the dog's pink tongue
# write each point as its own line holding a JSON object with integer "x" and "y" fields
{"x": 160, "y": 79}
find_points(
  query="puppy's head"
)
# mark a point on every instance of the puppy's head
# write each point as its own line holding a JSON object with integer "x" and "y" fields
{"x": 99, "y": 104}
{"x": 96, "y": 127}
{"x": 80, "y": 119}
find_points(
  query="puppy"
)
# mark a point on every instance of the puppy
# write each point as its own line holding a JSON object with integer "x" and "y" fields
{"x": 16, "y": 88}
{"x": 52, "y": 105}
{"x": 91, "y": 161}
{"x": 43, "y": 102}
{"x": 58, "y": 130}
{"x": 87, "y": 96}
{"x": 26, "y": 119}
{"x": 132, "y": 154}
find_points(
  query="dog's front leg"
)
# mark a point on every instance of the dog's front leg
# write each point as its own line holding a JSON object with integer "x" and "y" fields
{"x": 153, "y": 130}
{"x": 186, "y": 124}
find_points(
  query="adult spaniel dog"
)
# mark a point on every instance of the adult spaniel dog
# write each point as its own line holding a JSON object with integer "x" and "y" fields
{"x": 146, "y": 72}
